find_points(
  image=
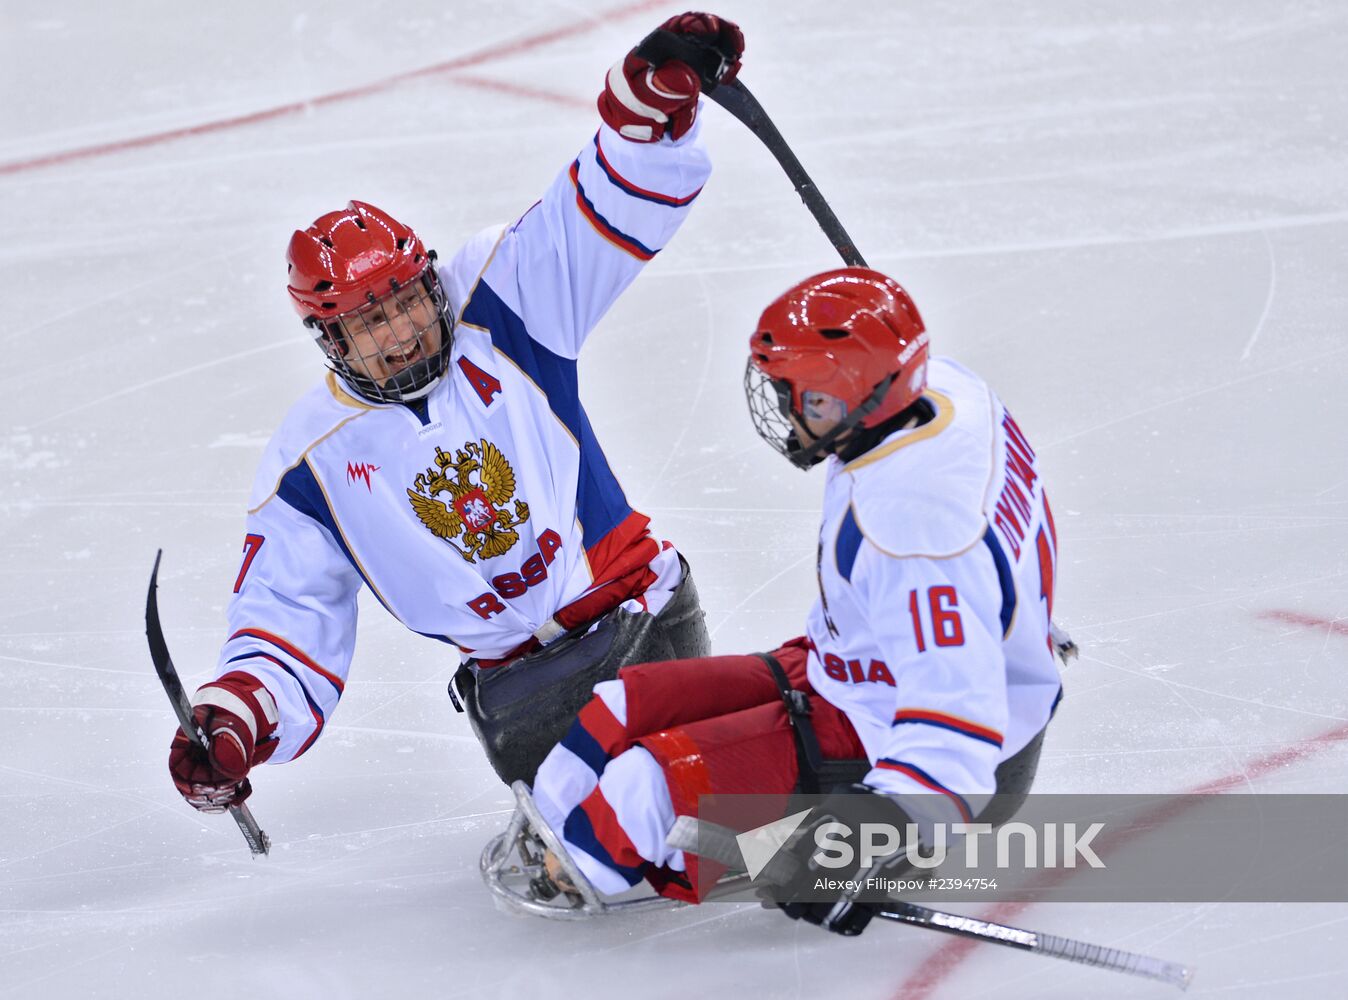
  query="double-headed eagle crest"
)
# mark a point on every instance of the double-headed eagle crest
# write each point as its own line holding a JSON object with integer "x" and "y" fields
{"x": 475, "y": 509}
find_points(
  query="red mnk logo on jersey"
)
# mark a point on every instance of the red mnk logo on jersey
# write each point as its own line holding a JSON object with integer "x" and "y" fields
{"x": 360, "y": 471}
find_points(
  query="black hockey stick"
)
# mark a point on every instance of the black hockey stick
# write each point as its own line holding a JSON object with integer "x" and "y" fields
{"x": 721, "y": 844}
{"x": 736, "y": 98}
{"x": 1049, "y": 945}
{"x": 258, "y": 842}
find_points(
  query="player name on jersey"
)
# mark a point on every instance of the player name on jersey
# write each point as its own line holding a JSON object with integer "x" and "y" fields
{"x": 1013, "y": 511}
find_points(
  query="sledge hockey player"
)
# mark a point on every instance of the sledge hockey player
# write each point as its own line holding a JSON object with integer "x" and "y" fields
{"x": 446, "y": 462}
{"x": 926, "y": 676}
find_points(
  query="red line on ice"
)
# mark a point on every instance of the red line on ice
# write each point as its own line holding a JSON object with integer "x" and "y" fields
{"x": 502, "y": 51}
{"x": 935, "y": 970}
{"x": 519, "y": 90}
{"x": 1310, "y": 621}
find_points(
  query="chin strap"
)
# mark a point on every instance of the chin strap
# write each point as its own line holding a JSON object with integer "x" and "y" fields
{"x": 868, "y": 437}
{"x": 808, "y": 456}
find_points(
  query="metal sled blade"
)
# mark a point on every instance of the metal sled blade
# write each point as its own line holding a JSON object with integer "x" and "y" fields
{"x": 513, "y": 869}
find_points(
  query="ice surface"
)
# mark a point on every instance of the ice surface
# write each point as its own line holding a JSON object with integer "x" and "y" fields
{"x": 1131, "y": 216}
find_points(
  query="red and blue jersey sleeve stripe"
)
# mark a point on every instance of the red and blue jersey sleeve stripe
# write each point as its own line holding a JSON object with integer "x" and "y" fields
{"x": 290, "y": 650}
{"x": 305, "y": 677}
{"x": 623, "y": 241}
{"x": 926, "y": 781}
{"x": 953, "y": 723}
{"x": 594, "y": 828}
{"x": 316, "y": 710}
{"x": 636, "y": 191}
{"x": 596, "y": 736}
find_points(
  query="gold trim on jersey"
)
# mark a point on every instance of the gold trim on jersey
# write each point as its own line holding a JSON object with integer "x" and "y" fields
{"x": 1015, "y": 612}
{"x": 342, "y": 396}
{"x": 346, "y": 543}
{"x": 476, "y": 281}
{"x": 304, "y": 455}
{"x": 918, "y": 555}
{"x": 945, "y": 413}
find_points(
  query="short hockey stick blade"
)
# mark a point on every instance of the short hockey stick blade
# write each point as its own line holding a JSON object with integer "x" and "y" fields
{"x": 258, "y": 841}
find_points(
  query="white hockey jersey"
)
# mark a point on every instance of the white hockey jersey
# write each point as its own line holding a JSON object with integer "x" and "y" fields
{"x": 476, "y": 514}
{"x": 936, "y": 571}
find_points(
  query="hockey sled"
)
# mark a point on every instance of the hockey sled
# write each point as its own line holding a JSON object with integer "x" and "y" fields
{"x": 514, "y": 870}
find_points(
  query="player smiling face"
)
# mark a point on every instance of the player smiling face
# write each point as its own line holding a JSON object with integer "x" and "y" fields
{"x": 370, "y": 295}
{"x": 392, "y": 335}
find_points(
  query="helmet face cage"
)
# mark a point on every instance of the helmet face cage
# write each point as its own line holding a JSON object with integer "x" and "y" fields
{"x": 769, "y": 406}
{"x": 395, "y": 348}
{"x": 771, "y": 409}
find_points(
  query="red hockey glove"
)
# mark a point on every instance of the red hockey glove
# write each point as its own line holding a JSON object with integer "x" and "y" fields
{"x": 653, "y": 92}
{"x": 239, "y": 716}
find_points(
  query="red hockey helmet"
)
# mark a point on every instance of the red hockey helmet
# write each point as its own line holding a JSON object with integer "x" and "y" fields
{"x": 356, "y": 268}
{"x": 849, "y": 344}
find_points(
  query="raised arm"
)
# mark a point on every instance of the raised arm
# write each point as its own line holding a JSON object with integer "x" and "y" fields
{"x": 618, "y": 203}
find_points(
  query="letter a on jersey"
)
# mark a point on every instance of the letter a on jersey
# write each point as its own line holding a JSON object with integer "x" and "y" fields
{"x": 475, "y": 514}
